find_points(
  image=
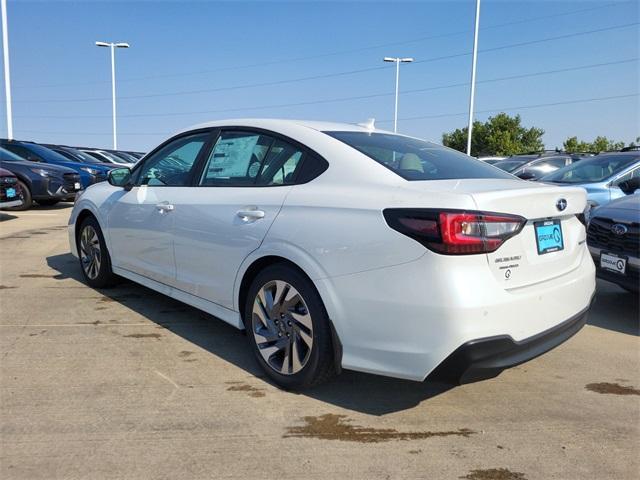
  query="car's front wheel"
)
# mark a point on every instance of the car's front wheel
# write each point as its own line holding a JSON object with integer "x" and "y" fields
{"x": 25, "y": 196}
{"x": 288, "y": 328}
{"x": 94, "y": 257}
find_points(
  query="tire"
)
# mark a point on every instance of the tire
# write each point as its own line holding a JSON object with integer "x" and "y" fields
{"x": 25, "y": 196}
{"x": 298, "y": 324}
{"x": 47, "y": 202}
{"x": 95, "y": 262}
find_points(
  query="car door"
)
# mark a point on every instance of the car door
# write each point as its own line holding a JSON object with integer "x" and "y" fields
{"x": 141, "y": 220}
{"x": 242, "y": 185}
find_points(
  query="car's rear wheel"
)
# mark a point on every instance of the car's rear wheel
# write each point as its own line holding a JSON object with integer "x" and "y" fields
{"x": 25, "y": 196}
{"x": 288, "y": 328}
{"x": 94, "y": 257}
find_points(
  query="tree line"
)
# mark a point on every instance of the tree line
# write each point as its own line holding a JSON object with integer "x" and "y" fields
{"x": 504, "y": 135}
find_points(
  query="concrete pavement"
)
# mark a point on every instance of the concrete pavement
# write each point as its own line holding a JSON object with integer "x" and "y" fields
{"x": 126, "y": 383}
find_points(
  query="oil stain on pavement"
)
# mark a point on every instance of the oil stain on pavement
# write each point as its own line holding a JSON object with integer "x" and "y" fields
{"x": 336, "y": 427}
{"x": 494, "y": 474}
{"x": 244, "y": 387}
{"x": 144, "y": 335}
{"x": 612, "y": 389}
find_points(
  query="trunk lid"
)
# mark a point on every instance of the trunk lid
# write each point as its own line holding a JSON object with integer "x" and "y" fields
{"x": 517, "y": 263}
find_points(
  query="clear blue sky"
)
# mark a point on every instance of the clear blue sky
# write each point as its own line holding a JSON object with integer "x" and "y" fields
{"x": 61, "y": 81}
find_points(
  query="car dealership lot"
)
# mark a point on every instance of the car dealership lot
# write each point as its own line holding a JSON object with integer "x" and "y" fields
{"x": 127, "y": 383}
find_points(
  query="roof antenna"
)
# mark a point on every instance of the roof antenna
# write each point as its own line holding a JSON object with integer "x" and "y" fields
{"x": 369, "y": 124}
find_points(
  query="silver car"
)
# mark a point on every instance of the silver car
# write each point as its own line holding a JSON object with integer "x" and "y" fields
{"x": 601, "y": 176}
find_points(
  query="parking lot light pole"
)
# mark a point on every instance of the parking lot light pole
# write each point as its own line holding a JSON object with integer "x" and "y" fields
{"x": 7, "y": 75}
{"x": 113, "y": 47}
{"x": 473, "y": 77}
{"x": 397, "y": 61}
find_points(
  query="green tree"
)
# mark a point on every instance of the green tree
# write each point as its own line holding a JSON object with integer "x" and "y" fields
{"x": 599, "y": 144}
{"x": 499, "y": 135}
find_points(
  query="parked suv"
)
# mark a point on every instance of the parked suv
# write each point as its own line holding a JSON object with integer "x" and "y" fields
{"x": 9, "y": 190}
{"x": 45, "y": 183}
{"x": 89, "y": 174}
{"x": 613, "y": 237}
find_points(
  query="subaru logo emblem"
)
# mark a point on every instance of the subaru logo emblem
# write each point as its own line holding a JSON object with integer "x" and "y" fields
{"x": 619, "y": 229}
{"x": 561, "y": 204}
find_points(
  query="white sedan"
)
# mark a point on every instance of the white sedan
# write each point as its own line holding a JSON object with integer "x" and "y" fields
{"x": 342, "y": 246}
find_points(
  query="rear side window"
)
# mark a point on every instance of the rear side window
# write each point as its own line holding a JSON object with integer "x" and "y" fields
{"x": 415, "y": 159}
{"x": 241, "y": 159}
{"x": 280, "y": 165}
{"x": 236, "y": 159}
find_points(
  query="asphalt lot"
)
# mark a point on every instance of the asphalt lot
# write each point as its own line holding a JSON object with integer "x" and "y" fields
{"x": 125, "y": 383}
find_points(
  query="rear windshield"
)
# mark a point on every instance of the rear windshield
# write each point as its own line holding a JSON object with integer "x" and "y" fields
{"x": 593, "y": 169}
{"x": 415, "y": 159}
{"x": 510, "y": 165}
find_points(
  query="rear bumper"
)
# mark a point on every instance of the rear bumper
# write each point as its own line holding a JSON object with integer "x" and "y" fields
{"x": 405, "y": 321}
{"x": 488, "y": 357}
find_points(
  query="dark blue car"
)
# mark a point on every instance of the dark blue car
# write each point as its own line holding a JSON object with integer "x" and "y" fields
{"x": 47, "y": 184}
{"x": 89, "y": 173}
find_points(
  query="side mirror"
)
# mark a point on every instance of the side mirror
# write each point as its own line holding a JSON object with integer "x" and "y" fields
{"x": 527, "y": 176}
{"x": 629, "y": 187}
{"x": 120, "y": 177}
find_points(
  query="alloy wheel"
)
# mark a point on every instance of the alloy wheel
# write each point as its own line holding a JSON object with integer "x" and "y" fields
{"x": 282, "y": 327}
{"x": 90, "y": 253}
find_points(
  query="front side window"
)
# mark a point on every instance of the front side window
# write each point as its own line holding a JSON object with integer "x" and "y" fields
{"x": 415, "y": 159}
{"x": 173, "y": 164}
{"x": 627, "y": 176}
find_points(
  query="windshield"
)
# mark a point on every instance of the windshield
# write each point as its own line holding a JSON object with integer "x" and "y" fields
{"x": 45, "y": 153}
{"x": 124, "y": 157}
{"x": 111, "y": 156}
{"x": 10, "y": 156}
{"x": 78, "y": 156}
{"x": 415, "y": 159}
{"x": 510, "y": 165}
{"x": 592, "y": 170}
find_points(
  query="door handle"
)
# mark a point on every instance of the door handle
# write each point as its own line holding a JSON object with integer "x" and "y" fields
{"x": 164, "y": 207}
{"x": 250, "y": 213}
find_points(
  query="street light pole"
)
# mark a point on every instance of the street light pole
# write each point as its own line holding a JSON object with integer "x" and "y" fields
{"x": 7, "y": 73}
{"x": 397, "y": 61}
{"x": 113, "y": 47}
{"x": 473, "y": 77}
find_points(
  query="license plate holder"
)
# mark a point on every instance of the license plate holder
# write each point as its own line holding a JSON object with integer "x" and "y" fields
{"x": 548, "y": 236}
{"x": 613, "y": 263}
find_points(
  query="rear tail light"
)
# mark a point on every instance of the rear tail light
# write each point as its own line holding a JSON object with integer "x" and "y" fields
{"x": 455, "y": 232}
